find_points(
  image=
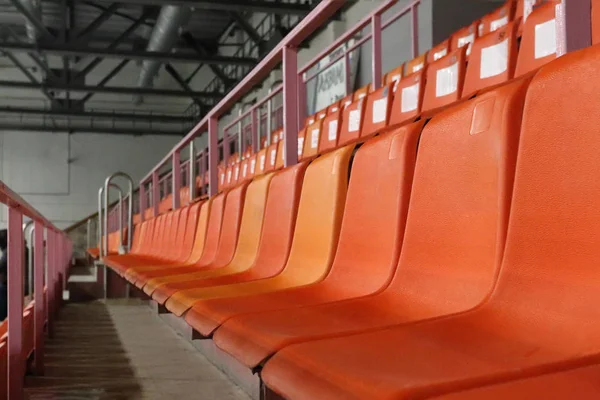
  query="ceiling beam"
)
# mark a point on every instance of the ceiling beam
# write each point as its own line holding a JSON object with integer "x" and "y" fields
{"x": 108, "y": 89}
{"x": 84, "y": 35}
{"x": 268, "y": 7}
{"x": 32, "y": 19}
{"x": 98, "y": 115}
{"x": 69, "y": 50}
{"x": 71, "y": 128}
{"x": 246, "y": 27}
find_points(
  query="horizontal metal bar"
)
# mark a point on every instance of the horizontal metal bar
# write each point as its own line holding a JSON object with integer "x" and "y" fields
{"x": 147, "y": 117}
{"x": 108, "y": 89}
{"x": 262, "y": 6}
{"x": 320, "y": 14}
{"x": 260, "y": 103}
{"x": 115, "y": 130}
{"x": 71, "y": 50}
{"x": 353, "y": 31}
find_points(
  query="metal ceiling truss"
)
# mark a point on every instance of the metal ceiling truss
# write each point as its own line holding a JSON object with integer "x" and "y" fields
{"x": 73, "y": 47}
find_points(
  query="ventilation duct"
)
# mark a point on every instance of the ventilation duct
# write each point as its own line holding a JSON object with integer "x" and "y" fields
{"x": 35, "y": 8}
{"x": 163, "y": 38}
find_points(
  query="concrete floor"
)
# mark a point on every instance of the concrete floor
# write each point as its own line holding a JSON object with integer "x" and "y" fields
{"x": 121, "y": 351}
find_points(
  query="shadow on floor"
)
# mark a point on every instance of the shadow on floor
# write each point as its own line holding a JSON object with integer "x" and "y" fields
{"x": 85, "y": 359}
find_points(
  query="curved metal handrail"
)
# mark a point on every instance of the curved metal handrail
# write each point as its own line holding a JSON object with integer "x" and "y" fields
{"x": 129, "y": 206}
{"x": 103, "y": 241}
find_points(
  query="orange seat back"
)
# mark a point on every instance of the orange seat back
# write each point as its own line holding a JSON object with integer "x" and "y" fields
{"x": 497, "y": 19}
{"x": 416, "y": 64}
{"x": 201, "y": 231}
{"x": 322, "y": 114}
{"x": 213, "y": 230}
{"x": 271, "y": 157}
{"x": 333, "y": 107}
{"x": 408, "y": 99}
{"x": 538, "y": 45}
{"x": 439, "y": 51}
{"x": 361, "y": 93}
{"x": 445, "y": 78}
{"x": 466, "y": 162}
{"x": 261, "y": 162}
{"x": 374, "y": 219}
{"x": 465, "y": 37}
{"x": 330, "y": 132}
{"x": 492, "y": 61}
{"x": 394, "y": 75}
{"x": 352, "y": 120}
{"x": 313, "y": 137}
{"x": 230, "y": 227}
{"x": 377, "y": 111}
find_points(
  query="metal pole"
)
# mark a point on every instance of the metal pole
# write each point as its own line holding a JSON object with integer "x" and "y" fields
{"x": 269, "y": 110}
{"x": 376, "y": 57}
{"x": 302, "y": 112}
{"x": 103, "y": 210}
{"x": 155, "y": 192}
{"x": 290, "y": 105}
{"x": 30, "y": 261}
{"x": 16, "y": 365}
{"x": 414, "y": 13}
{"x": 213, "y": 155}
{"x": 255, "y": 130}
{"x": 176, "y": 179}
{"x": 573, "y": 26}
{"x": 192, "y": 171}
{"x": 142, "y": 200}
{"x": 130, "y": 205}
{"x": 240, "y": 135}
{"x": 38, "y": 294}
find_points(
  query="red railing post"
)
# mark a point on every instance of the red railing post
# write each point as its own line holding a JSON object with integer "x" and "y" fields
{"x": 573, "y": 26}
{"x": 176, "y": 178}
{"x": 226, "y": 146}
{"x": 414, "y": 19}
{"x": 142, "y": 199}
{"x": 302, "y": 103}
{"x": 213, "y": 155}
{"x": 38, "y": 290}
{"x": 16, "y": 362}
{"x": 376, "y": 58}
{"x": 155, "y": 192}
{"x": 291, "y": 124}
{"x": 254, "y": 130}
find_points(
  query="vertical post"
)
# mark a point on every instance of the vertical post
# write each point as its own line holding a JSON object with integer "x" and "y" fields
{"x": 255, "y": 130}
{"x": 573, "y": 26}
{"x": 226, "y": 146}
{"x": 376, "y": 58}
{"x": 269, "y": 121}
{"x": 213, "y": 155}
{"x": 38, "y": 292}
{"x": 241, "y": 135}
{"x": 50, "y": 280}
{"x": 290, "y": 105}
{"x": 176, "y": 178}
{"x": 348, "y": 73}
{"x": 302, "y": 103}
{"x": 192, "y": 171}
{"x": 142, "y": 195}
{"x": 16, "y": 364}
{"x": 155, "y": 192}
{"x": 414, "y": 19}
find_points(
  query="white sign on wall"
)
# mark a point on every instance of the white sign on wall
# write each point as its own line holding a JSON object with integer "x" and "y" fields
{"x": 331, "y": 82}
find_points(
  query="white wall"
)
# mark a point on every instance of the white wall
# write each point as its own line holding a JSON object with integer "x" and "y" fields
{"x": 90, "y": 158}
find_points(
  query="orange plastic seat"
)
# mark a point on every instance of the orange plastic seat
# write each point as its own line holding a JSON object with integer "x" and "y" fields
{"x": 333, "y": 107}
{"x": 271, "y": 157}
{"x": 227, "y": 241}
{"x": 445, "y": 79}
{"x": 408, "y": 99}
{"x": 523, "y": 13}
{"x": 465, "y": 37}
{"x": 261, "y": 162}
{"x": 165, "y": 204}
{"x": 352, "y": 121}
{"x": 322, "y": 114}
{"x": 440, "y": 50}
{"x": 331, "y": 132}
{"x": 538, "y": 45}
{"x": 542, "y": 315}
{"x": 581, "y": 383}
{"x": 497, "y": 19}
{"x": 137, "y": 219}
{"x": 416, "y": 64}
{"x": 148, "y": 213}
{"x": 361, "y": 93}
{"x": 313, "y": 247}
{"x": 492, "y": 61}
{"x": 276, "y": 238}
{"x": 377, "y": 111}
{"x": 394, "y": 75}
{"x": 244, "y": 251}
{"x": 368, "y": 249}
{"x": 311, "y": 143}
{"x": 184, "y": 243}
{"x": 453, "y": 246}
{"x": 143, "y": 240}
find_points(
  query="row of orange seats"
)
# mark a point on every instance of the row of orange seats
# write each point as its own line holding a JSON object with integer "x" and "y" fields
{"x": 453, "y": 256}
{"x": 495, "y": 58}
{"x": 114, "y": 244}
